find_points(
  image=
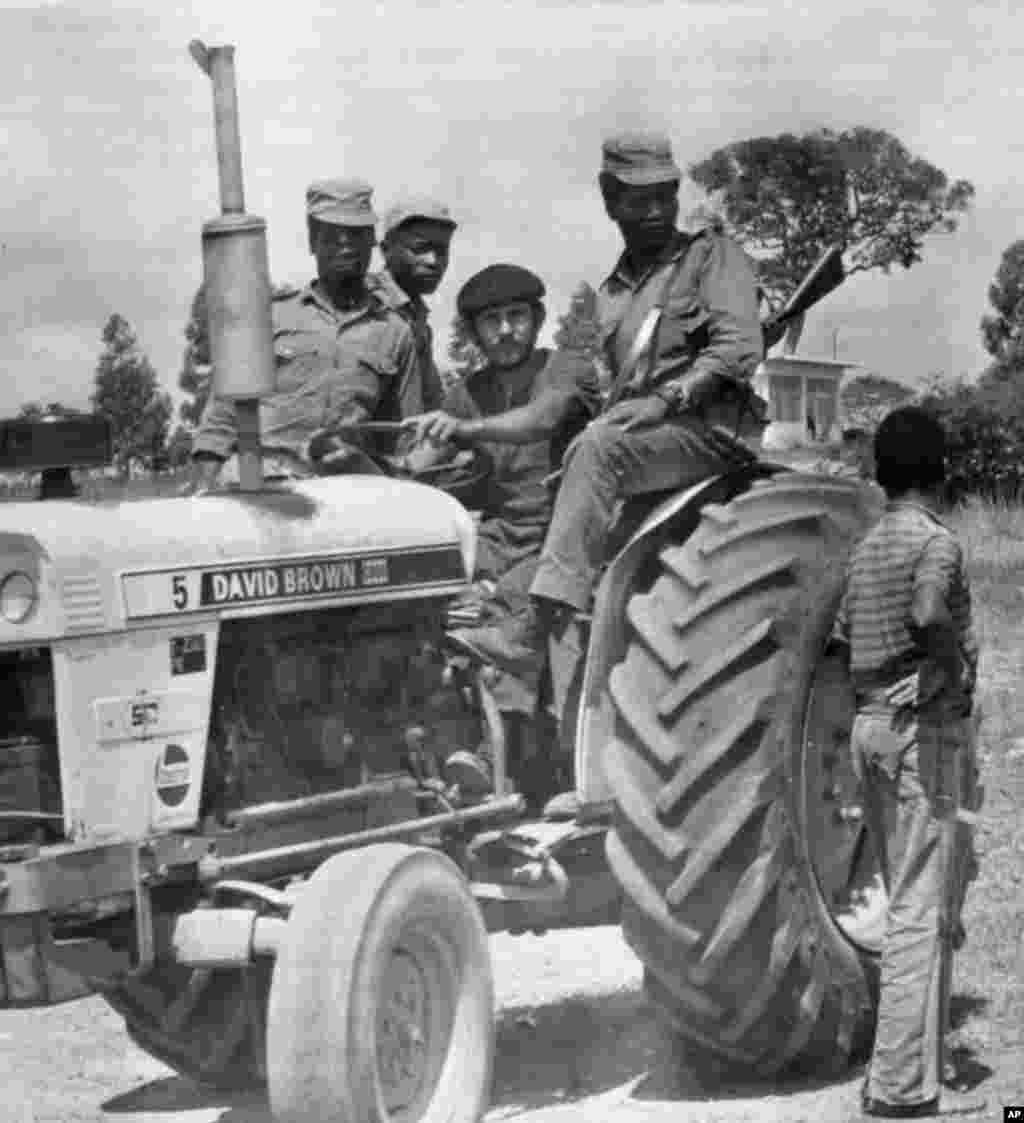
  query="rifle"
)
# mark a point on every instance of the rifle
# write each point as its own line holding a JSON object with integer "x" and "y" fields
{"x": 827, "y": 275}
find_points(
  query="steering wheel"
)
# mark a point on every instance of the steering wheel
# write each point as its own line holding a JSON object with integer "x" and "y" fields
{"x": 464, "y": 477}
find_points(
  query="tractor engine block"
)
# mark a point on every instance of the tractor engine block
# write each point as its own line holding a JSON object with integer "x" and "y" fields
{"x": 308, "y": 702}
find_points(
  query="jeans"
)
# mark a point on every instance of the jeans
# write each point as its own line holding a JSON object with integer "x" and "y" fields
{"x": 605, "y": 464}
{"x": 911, "y": 776}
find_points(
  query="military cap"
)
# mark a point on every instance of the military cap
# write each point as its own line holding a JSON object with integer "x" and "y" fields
{"x": 498, "y": 284}
{"x": 410, "y": 207}
{"x": 639, "y": 159}
{"x": 343, "y": 202}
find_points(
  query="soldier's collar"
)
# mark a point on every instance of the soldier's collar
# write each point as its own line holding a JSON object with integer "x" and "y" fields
{"x": 677, "y": 246}
{"x": 388, "y": 290}
{"x": 369, "y": 302}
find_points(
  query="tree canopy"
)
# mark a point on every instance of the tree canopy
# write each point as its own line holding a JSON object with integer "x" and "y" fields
{"x": 194, "y": 376}
{"x": 127, "y": 393}
{"x": 578, "y": 329}
{"x": 867, "y": 398}
{"x": 1003, "y": 332}
{"x": 788, "y": 198}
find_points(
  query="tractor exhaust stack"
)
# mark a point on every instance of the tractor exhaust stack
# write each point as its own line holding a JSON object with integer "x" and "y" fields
{"x": 236, "y": 276}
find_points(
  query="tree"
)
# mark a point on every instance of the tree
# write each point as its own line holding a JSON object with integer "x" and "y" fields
{"x": 867, "y": 398}
{"x": 127, "y": 394}
{"x": 466, "y": 357}
{"x": 985, "y": 436}
{"x": 1003, "y": 333}
{"x": 788, "y": 198}
{"x": 578, "y": 328}
{"x": 194, "y": 377}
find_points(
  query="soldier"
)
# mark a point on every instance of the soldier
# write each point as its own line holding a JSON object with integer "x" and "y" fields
{"x": 681, "y": 334}
{"x": 342, "y": 355}
{"x": 416, "y": 245}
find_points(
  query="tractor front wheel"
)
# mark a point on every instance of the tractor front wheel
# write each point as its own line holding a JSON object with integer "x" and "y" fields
{"x": 382, "y": 1004}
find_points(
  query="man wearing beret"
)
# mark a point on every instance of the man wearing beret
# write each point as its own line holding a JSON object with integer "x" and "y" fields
{"x": 342, "y": 355}
{"x": 522, "y": 408}
{"x": 416, "y": 243}
{"x": 681, "y": 334}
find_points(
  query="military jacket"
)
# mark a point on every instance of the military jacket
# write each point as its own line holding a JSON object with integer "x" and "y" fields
{"x": 334, "y": 366}
{"x": 710, "y": 324}
{"x": 416, "y": 314}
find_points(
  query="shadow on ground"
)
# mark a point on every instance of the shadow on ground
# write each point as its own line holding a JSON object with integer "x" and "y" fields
{"x": 176, "y": 1094}
{"x": 581, "y": 1047}
{"x": 565, "y": 1051}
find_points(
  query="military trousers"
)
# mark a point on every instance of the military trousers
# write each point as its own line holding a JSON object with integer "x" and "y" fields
{"x": 606, "y": 464}
{"x": 911, "y": 771}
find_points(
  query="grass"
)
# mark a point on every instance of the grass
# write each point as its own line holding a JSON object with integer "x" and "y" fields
{"x": 989, "y": 972}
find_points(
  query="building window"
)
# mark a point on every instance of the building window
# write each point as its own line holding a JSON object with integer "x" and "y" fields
{"x": 786, "y": 397}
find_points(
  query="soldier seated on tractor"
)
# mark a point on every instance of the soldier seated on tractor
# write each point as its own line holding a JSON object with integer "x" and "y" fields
{"x": 681, "y": 332}
{"x": 343, "y": 356}
{"x": 522, "y": 408}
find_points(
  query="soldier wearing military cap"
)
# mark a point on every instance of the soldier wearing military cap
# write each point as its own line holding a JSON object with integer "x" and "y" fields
{"x": 416, "y": 243}
{"x": 681, "y": 335}
{"x": 343, "y": 355}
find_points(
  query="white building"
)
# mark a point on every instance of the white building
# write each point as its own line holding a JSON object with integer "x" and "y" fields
{"x": 803, "y": 399}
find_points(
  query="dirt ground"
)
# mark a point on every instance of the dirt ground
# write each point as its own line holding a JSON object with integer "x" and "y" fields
{"x": 576, "y": 1043}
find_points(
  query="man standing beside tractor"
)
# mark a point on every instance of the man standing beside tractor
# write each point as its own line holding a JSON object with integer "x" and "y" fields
{"x": 416, "y": 244}
{"x": 682, "y": 336}
{"x": 343, "y": 355}
{"x": 905, "y": 620}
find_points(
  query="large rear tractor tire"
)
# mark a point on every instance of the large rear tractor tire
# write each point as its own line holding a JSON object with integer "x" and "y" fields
{"x": 750, "y": 887}
{"x": 382, "y": 1002}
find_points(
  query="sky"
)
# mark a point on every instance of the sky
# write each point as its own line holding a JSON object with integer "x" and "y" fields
{"x": 497, "y": 108}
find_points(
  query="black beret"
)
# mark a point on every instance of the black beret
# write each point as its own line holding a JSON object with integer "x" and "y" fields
{"x": 498, "y": 284}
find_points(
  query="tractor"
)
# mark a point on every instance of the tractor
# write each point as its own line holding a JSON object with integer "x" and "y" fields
{"x": 220, "y": 805}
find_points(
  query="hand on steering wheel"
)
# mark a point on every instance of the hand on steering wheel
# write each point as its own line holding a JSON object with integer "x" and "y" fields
{"x": 437, "y": 427}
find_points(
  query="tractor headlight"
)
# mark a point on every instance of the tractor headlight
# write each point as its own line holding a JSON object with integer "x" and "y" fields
{"x": 18, "y": 597}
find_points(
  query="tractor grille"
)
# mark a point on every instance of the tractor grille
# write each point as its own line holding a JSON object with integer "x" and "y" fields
{"x": 83, "y": 602}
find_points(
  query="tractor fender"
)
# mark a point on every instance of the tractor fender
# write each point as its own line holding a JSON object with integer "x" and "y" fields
{"x": 675, "y": 518}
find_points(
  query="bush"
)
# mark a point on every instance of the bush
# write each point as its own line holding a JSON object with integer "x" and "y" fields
{"x": 985, "y": 425}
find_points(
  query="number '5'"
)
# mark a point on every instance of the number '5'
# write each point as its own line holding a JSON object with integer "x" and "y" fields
{"x": 179, "y": 591}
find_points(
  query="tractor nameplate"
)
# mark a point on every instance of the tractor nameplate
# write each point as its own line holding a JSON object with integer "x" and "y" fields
{"x": 174, "y": 592}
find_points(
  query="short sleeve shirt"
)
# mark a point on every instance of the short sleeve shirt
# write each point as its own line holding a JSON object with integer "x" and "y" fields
{"x": 909, "y": 548}
{"x": 333, "y": 366}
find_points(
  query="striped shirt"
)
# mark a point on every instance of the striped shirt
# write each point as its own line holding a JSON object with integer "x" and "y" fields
{"x": 909, "y": 548}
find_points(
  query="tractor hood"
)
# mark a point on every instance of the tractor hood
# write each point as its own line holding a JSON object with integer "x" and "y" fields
{"x": 107, "y": 566}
